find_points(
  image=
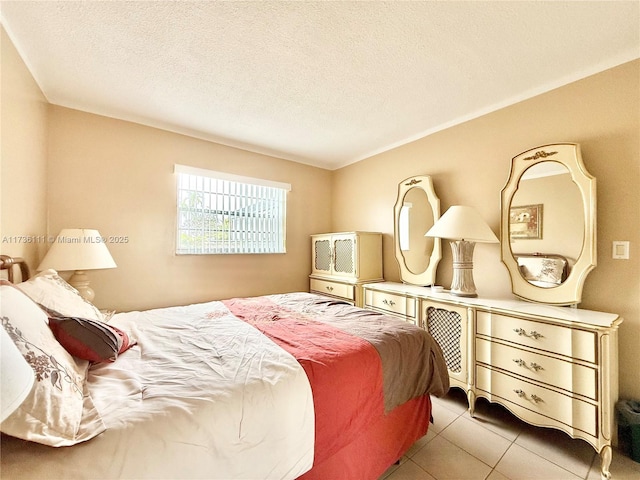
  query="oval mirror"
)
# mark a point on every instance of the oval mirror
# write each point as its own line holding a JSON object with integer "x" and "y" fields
{"x": 548, "y": 224}
{"x": 417, "y": 209}
{"x": 543, "y": 219}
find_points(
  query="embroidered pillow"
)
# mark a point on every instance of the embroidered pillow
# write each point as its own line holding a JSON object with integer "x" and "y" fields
{"x": 89, "y": 339}
{"x": 52, "y": 412}
{"x": 57, "y": 297}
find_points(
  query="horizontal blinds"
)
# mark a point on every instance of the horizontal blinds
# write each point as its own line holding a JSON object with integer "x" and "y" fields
{"x": 220, "y": 215}
{"x": 203, "y": 172}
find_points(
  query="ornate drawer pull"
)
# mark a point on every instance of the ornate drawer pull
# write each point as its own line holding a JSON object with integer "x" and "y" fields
{"x": 391, "y": 303}
{"x": 330, "y": 288}
{"x": 534, "y": 398}
{"x": 536, "y": 367}
{"x": 533, "y": 334}
{"x": 533, "y": 365}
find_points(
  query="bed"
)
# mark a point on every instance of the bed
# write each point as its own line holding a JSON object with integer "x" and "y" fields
{"x": 283, "y": 386}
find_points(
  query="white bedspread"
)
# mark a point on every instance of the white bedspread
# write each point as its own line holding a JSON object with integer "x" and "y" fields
{"x": 202, "y": 395}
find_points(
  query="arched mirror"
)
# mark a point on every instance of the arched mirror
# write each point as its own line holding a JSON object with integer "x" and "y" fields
{"x": 548, "y": 222}
{"x": 417, "y": 209}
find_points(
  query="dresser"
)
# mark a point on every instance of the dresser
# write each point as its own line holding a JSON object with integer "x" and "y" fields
{"x": 342, "y": 262}
{"x": 550, "y": 366}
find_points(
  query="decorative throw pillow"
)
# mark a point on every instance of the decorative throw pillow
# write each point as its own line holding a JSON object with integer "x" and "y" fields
{"x": 51, "y": 414}
{"x": 57, "y": 297}
{"x": 89, "y": 339}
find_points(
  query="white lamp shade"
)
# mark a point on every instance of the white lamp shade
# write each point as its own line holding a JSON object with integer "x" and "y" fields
{"x": 78, "y": 249}
{"x": 16, "y": 376}
{"x": 462, "y": 223}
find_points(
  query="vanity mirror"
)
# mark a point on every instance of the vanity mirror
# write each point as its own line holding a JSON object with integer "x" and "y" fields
{"x": 416, "y": 210}
{"x": 548, "y": 218}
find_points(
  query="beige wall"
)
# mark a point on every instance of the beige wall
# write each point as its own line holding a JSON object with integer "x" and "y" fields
{"x": 23, "y": 123}
{"x": 117, "y": 177}
{"x": 470, "y": 164}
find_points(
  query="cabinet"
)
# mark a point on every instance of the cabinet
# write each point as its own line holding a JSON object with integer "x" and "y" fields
{"x": 550, "y": 366}
{"x": 342, "y": 262}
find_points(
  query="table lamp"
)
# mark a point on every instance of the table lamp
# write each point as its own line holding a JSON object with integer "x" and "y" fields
{"x": 78, "y": 249}
{"x": 464, "y": 227}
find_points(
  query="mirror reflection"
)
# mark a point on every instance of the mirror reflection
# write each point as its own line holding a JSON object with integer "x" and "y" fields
{"x": 546, "y": 225}
{"x": 416, "y": 218}
{"x": 417, "y": 209}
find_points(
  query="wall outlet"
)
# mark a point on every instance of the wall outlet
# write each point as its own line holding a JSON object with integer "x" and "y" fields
{"x": 621, "y": 250}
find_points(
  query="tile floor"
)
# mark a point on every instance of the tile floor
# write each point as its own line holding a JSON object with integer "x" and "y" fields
{"x": 495, "y": 445}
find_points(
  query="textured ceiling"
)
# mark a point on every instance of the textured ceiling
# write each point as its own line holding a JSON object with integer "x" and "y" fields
{"x": 323, "y": 83}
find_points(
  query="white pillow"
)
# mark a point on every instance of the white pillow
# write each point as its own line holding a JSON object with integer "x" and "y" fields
{"x": 52, "y": 412}
{"x": 57, "y": 297}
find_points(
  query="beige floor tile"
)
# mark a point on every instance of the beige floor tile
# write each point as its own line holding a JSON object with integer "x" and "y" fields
{"x": 446, "y": 461}
{"x": 622, "y": 468}
{"x": 521, "y": 464}
{"x": 473, "y": 438}
{"x": 409, "y": 471}
{"x": 420, "y": 443}
{"x": 495, "y": 475}
{"x": 442, "y": 417}
{"x": 497, "y": 419}
{"x": 455, "y": 400}
{"x": 557, "y": 447}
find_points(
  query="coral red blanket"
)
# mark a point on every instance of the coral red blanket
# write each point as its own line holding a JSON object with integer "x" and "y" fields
{"x": 360, "y": 364}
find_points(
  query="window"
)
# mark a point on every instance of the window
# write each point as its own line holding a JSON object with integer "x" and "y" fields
{"x": 224, "y": 213}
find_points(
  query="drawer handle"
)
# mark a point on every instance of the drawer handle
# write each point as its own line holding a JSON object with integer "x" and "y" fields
{"x": 330, "y": 288}
{"x": 520, "y": 362}
{"x": 391, "y": 303}
{"x": 533, "y": 365}
{"x": 533, "y": 334}
{"x": 534, "y": 398}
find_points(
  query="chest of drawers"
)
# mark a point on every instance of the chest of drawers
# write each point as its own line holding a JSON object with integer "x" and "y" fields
{"x": 550, "y": 366}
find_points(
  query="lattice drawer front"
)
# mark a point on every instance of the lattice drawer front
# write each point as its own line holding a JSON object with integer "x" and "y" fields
{"x": 323, "y": 255}
{"x": 344, "y": 256}
{"x": 446, "y": 328}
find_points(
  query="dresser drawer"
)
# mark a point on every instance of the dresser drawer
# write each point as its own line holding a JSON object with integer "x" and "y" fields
{"x": 335, "y": 289}
{"x": 570, "y": 342}
{"x": 562, "y": 408}
{"x": 398, "y": 305}
{"x": 553, "y": 371}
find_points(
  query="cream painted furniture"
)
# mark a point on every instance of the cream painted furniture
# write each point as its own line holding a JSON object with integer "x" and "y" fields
{"x": 341, "y": 262}
{"x": 551, "y": 366}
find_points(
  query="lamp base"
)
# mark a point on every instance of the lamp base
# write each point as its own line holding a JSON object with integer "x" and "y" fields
{"x": 80, "y": 281}
{"x": 462, "y": 284}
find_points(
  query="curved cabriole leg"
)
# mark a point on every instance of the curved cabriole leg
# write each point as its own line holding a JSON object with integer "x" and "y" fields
{"x": 471, "y": 398}
{"x": 605, "y": 462}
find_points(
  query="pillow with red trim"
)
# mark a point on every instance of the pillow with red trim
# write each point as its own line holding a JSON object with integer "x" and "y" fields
{"x": 89, "y": 339}
{"x": 53, "y": 412}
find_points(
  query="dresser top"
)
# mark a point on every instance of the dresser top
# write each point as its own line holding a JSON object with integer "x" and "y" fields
{"x": 505, "y": 305}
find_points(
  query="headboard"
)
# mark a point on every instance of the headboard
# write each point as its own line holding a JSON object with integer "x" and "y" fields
{"x": 8, "y": 263}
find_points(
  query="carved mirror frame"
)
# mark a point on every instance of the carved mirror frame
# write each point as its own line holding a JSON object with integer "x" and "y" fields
{"x": 428, "y": 276}
{"x": 569, "y": 292}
